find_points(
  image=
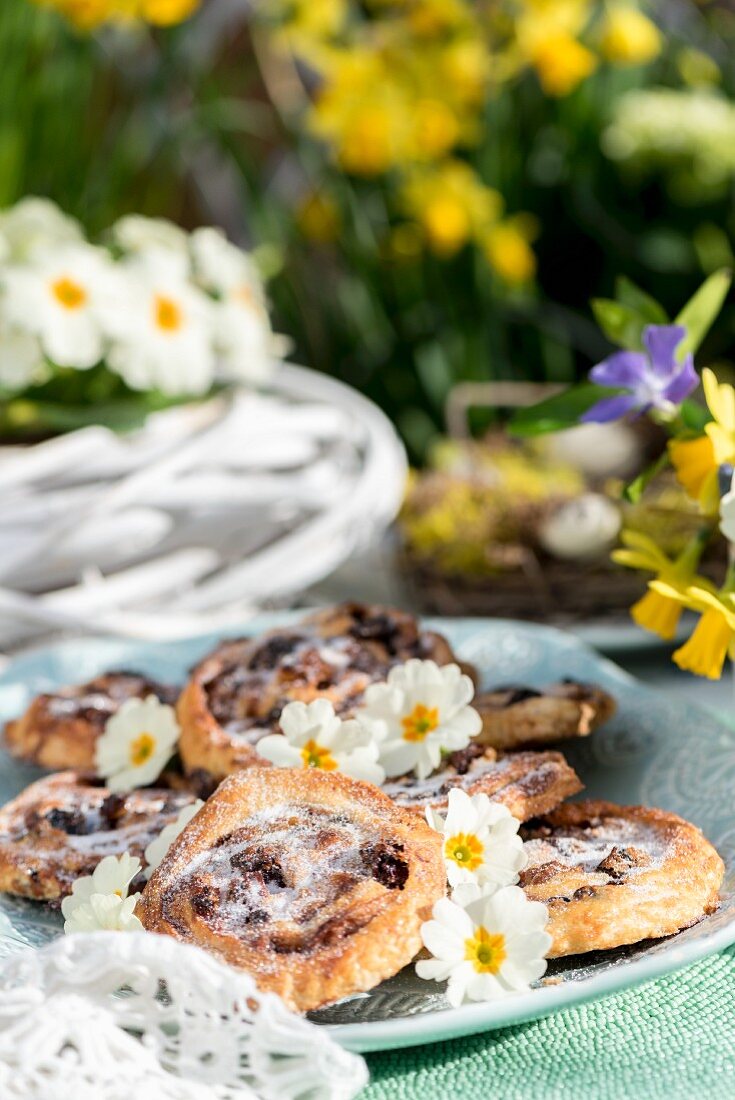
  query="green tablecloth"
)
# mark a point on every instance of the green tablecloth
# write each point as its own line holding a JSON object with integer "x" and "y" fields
{"x": 672, "y": 1039}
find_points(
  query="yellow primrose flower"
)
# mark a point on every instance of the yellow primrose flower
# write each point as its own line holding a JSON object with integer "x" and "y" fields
{"x": 508, "y": 250}
{"x": 85, "y": 15}
{"x": 561, "y": 63}
{"x": 465, "y": 66}
{"x": 451, "y": 204}
{"x": 629, "y": 37}
{"x": 714, "y": 635}
{"x": 657, "y": 611}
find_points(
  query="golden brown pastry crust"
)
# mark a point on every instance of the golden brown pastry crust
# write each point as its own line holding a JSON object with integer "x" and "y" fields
{"x": 236, "y": 694}
{"x": 614, "y": 875}
{"x": 62, "y": 826}
{"x": 314, "y": 883}
{"x": 528, "y": 783}
{"x": 516, "y": 717}
{"x": 59, "y": 729}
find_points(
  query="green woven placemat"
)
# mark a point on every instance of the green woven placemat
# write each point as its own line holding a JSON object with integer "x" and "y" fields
{"x": 672, "y": 1039}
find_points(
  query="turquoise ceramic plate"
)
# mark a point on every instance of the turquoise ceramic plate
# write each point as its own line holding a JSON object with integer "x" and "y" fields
{"x": 657, "y": 750}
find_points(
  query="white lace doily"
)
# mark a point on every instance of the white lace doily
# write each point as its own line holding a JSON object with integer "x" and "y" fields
{"x": 133, "y": 1016}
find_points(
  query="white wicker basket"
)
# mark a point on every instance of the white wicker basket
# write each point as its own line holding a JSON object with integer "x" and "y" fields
{"x": 208, "y": 513}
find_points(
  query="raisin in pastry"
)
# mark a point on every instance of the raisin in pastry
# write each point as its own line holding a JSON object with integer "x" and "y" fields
{"x": 236, "y": 695}
{"x": 613, "y": 875}
{"x": 60, "y": 728}
{"x": 62, "y": 826}
{"x": 515, "y": 717}
{"x": 314, "y": 883}
{"x": 528, "y": 783}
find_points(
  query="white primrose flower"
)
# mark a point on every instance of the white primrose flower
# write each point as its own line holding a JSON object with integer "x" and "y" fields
{"x": 422, "y": 709}
{"x": 481, "y": 842}
{"x": 161, "y": 328}
{"x": 59, "y": 296}
{"x": 157, "y": 848}
{"x": 33, "y": 225}
{"x": 135, "y": 233}
{"x": 485, "y": 943}
{"x": 314, "y": 737}
{"x": 137, "y": 743}
{"x": 100, "y": 900}
{"x": 21, "y": 358}
{"x": 222, "y": 268}
{"x": 245, "y": 342}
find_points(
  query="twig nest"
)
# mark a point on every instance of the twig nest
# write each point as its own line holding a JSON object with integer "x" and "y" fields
{"x": 581, "y": 529}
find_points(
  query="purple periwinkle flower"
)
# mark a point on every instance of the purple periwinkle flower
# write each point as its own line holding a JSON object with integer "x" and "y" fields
{"x": 654, "y": 379}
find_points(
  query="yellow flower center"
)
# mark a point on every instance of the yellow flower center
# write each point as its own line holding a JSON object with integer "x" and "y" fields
{"x": 167, "y": 314}
{"x": 465, "y": 850}
{"x": 244, "y": 295}
{"x": 68, "y": 293}
{"x": 485, "y": 950}
{"x": 142, "y": 749}
{"x": 316, "y": 756}
{"x": 420, "y": 722}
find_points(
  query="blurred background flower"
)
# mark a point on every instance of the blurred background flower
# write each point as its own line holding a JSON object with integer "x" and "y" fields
{"x": 462, "y": 175}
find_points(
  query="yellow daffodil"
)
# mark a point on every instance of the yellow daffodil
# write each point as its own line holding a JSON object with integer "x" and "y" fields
{"x": 508, "y": 250}
{"x": 714, "y": 635}
{"x": 562, "y": 63}
{"x": 451, "y": 204}
{"x": 318, "y": 218}
{"x": 628, "y": 36}
{"x": 696, "y": 461}
{"x": 695, "y": 466}
{"x": 88, "y": 15}
{"x": 721, "y": 402}
{"x": 658, "y": 611}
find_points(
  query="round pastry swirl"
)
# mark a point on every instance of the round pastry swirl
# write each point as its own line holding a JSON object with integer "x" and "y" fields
{"x": 314, "y": 883}
{"x": 613, "y": 875}
{"x": 528, "y": 783}
{"x": 62, "y": 826}
{"x": 518, "y": 716}
{"x": 60, "y": 728}
{"x": 236, "y": 695}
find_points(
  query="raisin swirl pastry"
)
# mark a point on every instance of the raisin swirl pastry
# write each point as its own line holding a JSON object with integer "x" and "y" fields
{"x": 60, "y": 728}
{"x": 314, "y": 883}
{"x": 236, "y": 695}
{"x": 614, "y": 875}
{"x": 528, "y": 783}
{"x": 514, "y": 717}
{"x": 62, "y": 826}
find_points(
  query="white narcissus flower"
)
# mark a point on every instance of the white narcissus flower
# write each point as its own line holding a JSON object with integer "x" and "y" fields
{"x": 314, "y": 737}
{"x": 481, "y": 842}
{"x": 421, "y": 710}
{"x": 135, "y": 233}
{"x": 157, "y": 848}
{"x": 160, "y": 328}
{"x": 33, "y": 225}
{"x": 100, "y": 900}
{"x": 222, "y": 268}
{"x": 485, "y": 943}
{"x": 59, "y": 296}
{"x": 137, "y": 743}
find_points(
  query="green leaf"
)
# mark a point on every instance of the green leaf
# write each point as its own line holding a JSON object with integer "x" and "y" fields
{"x": 622, "y": 324}
{"x": 650, "y": 311}
{"x": 700, "y": 311}
{"x": 558, "y": 412}
{"x": 635, "y": 490}
{"x": 694, "y": 416}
